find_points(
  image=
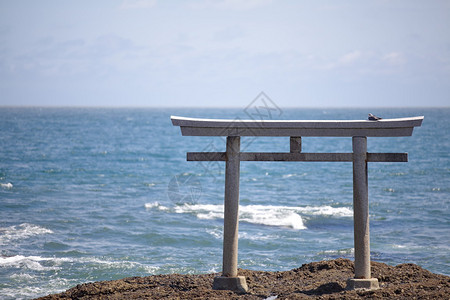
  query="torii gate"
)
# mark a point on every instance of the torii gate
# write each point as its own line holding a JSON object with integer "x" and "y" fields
{"x": 359, "y": 130}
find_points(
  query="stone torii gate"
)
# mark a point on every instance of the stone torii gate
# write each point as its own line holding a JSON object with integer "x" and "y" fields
{"x": 358, "y": 130}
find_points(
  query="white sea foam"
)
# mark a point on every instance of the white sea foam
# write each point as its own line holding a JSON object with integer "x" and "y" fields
{"x": 31, "y": 277}
{"x": 218, "y": 234}
{"x": 327, "y": 211}
{"x": 25, "y": 292}
{"x": 24, "y": 289}
{"x": 155, "y": 205}
{"x": 22, "y": 277}
{"x": 22, "y": 231}
{"x": 257, "y": 236}
{"x": 348, "y": 251}
{"x": 256, "y": 214}
{"x": 288, "y": 175}
{"x": 151, "y": 205}
{"x": 270, "y": 215}
{"x": 36, "y": 263}
{"x": 6, "y": 186}
{"x": 114, "y": 264}
{"x": 294, "y": 175}
{"x": 39, "y": 263}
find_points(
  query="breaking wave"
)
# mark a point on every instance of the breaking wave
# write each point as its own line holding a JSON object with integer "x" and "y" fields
{"x": 6, "y": 186}
{"x": 269, "y": 215}
{"x": 22, "y": 231}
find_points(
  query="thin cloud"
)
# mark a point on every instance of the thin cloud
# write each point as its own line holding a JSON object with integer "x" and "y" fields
{"x": 366, "y": 63}
{"x": 233, "y": 4}
{"x": 394, "y": 58}
{"x": 350, "y": 58}
{"x": 136, "y": 4}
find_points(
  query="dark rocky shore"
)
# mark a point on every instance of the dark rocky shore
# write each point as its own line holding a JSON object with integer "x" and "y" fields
{"x": 317, "y": 280}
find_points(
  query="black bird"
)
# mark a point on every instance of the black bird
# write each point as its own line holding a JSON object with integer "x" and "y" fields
{"x": 374, "y": 118}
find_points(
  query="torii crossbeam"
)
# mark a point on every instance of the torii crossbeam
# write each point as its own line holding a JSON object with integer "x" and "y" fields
{"x": 358, "y": 130}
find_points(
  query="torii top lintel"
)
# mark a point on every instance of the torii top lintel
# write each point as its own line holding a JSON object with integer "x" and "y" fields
{"x": 331, "y": 128}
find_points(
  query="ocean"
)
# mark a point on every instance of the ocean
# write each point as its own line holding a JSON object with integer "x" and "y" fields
{"x": 89, "y": 194}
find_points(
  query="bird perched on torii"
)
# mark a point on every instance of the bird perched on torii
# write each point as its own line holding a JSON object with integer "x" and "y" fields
{"x": 374, "y": 118}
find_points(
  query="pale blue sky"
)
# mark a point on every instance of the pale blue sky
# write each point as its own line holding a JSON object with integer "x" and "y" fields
{"x": 224, "y": 52}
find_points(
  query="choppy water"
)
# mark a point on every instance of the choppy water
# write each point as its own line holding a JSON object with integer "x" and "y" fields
{"x": 100, "y": 194}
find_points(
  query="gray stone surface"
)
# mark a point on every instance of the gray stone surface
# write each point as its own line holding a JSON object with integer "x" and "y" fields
{"x": 316, "y": 124}
{"x": 237, "y": 284}
{"x": 295, "y": 144}
{"x": 361, "y": 208}
{"x": 231, "y": 211}
{"x": 282, "y": 156}
{"x": 366, "y": 284}
{"x": 296, "y": 128}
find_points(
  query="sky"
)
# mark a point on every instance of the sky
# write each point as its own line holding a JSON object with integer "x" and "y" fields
{"x": 223, "y": 53}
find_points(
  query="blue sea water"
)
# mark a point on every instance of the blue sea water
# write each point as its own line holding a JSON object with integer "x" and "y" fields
{"x": 90, "y": 194}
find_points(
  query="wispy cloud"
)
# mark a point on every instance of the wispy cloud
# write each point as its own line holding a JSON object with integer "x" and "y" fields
{"x": 233, "y": 4}
{"x": 81, "y": 57}
{"x": 368, "y": 62}
{"x": 394, "y": 58}
{"x": 350, "y": 58}
{"x": 136, "y": 4}
{"x": 203, "y": 46}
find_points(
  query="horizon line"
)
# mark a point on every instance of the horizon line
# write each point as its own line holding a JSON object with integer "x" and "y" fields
{"x": 214, "y": 107}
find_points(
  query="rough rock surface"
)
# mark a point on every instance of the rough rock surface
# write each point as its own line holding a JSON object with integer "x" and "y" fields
{"x": 317, "y": 280}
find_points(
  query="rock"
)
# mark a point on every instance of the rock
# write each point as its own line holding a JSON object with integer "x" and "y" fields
{"x": 317, "y": 280}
